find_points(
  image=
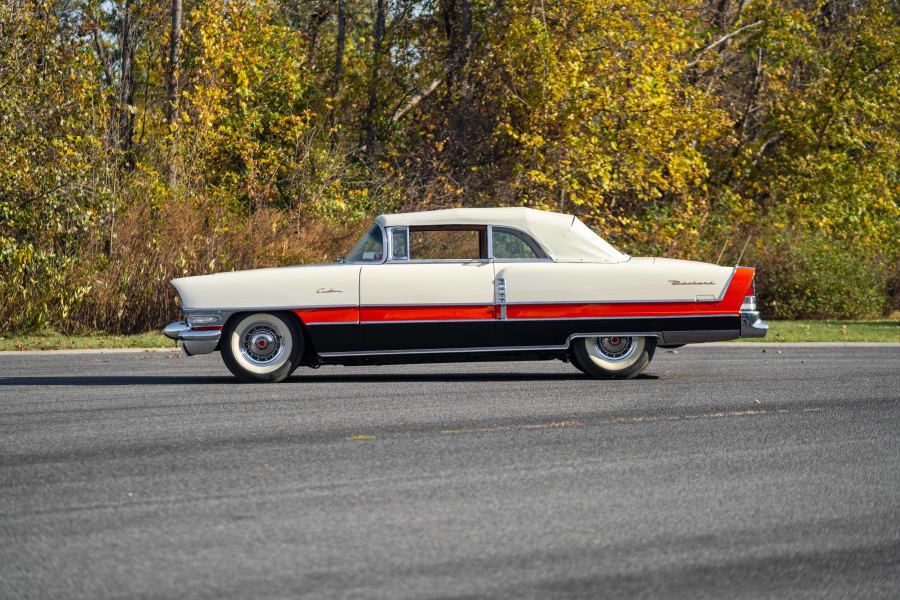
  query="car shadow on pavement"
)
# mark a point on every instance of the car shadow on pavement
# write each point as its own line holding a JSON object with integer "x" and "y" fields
{"x": 445, "y": 377}
{"x": 126, "y": 380}
{"x": 104, "y": 380}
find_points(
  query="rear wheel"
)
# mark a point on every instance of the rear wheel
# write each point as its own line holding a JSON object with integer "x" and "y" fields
{"x": 261, "y": 347}
{"x": 613, "y": 357}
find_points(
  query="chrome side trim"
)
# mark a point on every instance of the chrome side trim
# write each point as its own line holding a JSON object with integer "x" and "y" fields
{"x": 425, "y": 261}
{"x": 234, "y": 309}
{"x": 691, "y": 300}
{"x": 501, "y": 296}
{"x": 700, "y": 316}
{"x": 438, "y": 351}
{"x": 517, "y": 320}
{"x": 724, "y": 289}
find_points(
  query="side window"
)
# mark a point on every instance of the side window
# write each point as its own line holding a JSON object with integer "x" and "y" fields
{"x": 513, "y": 244}
{"x": 399, "y": 251}
{"x": 370, "y": 248}
{"x": 444, "y": 244}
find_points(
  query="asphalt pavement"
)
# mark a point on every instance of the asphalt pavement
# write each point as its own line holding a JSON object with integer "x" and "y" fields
{"x": 721, "y": 472}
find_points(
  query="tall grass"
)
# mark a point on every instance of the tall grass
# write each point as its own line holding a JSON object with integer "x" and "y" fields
{"x": 119, "y": 281}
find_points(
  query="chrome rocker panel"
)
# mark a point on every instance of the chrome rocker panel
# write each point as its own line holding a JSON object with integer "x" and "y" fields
{"x": 193, "y": 341}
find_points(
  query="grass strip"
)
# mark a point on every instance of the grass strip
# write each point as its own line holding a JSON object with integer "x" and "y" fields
{"x": 779, "y": 331}
{"x": 830, "y": 331}
{"x": 50, "y": 340}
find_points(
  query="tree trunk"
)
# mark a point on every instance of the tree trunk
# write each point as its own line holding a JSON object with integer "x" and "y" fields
{"x": 339, "y": 54}
{"x": 338, "y": 63}
{"x": 125, "y": 100}
{"x": 172, "y": 83}
{"x": 368, "y": 124}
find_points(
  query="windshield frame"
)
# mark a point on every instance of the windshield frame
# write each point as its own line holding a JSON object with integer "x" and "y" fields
{"x": 384, "y": 247}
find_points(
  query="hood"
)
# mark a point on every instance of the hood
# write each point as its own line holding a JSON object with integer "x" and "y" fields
{"x": 273, "y": 288}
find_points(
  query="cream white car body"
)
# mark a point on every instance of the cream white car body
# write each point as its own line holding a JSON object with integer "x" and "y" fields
{"x": 391, "y": 307}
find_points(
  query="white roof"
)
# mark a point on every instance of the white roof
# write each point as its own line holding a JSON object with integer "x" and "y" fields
{"x": 564, "y": 237}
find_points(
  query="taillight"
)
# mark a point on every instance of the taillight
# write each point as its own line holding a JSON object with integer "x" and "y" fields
{"x": 749, "y": 302}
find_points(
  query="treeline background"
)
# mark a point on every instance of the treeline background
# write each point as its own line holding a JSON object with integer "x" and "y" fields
{"x": 141, "y": 140}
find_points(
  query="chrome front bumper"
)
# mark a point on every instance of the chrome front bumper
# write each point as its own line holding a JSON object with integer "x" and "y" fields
{"x": 751, "y": 325}
{"x": 193, "y": 341}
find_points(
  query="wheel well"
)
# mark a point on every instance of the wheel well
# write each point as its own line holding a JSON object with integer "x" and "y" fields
{"x": 309, "y": 352}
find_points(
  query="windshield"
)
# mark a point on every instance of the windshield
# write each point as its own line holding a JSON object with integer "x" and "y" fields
{"x": 370, "y": 248}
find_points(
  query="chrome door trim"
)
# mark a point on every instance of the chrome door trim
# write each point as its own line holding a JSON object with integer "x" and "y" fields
{"x": 232, "y": 310}
{"x": 439, "y": 351}
{"x": 516, "y": 320}
{"x": 619, "y": 317}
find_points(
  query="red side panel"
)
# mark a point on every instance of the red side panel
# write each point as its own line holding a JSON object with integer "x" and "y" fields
{"x": 341, "y": 314}
{"x": 426, "y": 313}
{"x": 734, "y": 297}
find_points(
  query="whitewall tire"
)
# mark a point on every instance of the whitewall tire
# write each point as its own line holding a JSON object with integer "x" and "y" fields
{"x": 612, "y": 357}
{"x": 261, "y": 347}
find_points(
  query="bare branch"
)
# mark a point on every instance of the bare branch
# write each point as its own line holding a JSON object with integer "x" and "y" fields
{"x": 722, "y": 39}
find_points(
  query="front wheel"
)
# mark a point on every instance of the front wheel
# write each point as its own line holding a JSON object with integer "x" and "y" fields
{"x": 261, "y": 347}
{"x": 612, "y": 357}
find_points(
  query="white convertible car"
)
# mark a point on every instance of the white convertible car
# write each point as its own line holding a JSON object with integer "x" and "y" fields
{"x": 466, "y": 284}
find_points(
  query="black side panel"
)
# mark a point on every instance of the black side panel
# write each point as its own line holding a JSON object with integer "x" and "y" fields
{"x": 334, "y": 338}
{"x": 432, "y": 335}
{"x": 555, "y": 333}
{"x": 436, "y": 335}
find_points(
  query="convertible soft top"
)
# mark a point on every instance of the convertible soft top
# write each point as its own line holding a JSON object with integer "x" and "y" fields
{"x": 564, "y": 237}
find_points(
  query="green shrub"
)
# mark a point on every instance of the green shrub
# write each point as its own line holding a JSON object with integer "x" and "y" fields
{"x": 804, "y": 275}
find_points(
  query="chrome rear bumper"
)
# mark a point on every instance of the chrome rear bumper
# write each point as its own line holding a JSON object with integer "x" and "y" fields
{"x": 193, "y": 341}
{"x": 751, "y": 325}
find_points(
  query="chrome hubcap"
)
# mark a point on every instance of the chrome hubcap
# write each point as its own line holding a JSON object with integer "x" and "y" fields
{"x": 261, "y": 344}
{"x": 614, "y": 349}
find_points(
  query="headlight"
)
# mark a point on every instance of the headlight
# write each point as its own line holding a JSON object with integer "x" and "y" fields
{"x": 202, "y": 320}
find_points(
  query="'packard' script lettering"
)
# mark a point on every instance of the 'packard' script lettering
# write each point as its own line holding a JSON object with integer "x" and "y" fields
{"x": 676, "y": 282}
{"x": 327, "y": 291}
